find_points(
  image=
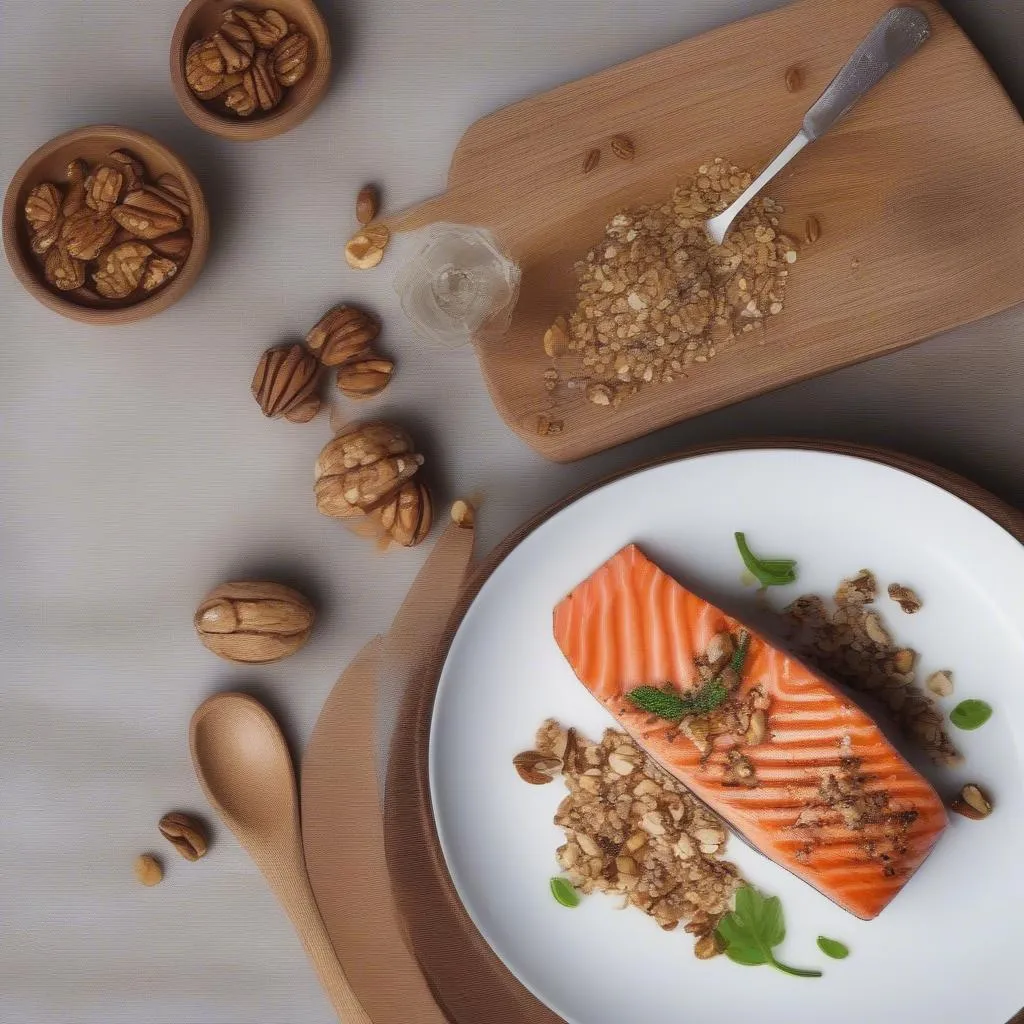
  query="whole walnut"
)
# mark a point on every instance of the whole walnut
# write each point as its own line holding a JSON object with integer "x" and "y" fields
{"x": 363, "y": 469}
{"x": 254, "y": 623}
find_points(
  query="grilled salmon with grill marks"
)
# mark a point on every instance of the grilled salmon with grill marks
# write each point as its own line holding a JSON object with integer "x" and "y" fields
{"x": 790, "y": 762}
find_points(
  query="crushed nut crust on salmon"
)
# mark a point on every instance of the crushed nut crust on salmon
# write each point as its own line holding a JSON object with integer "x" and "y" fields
{"x": 789, "y": 761}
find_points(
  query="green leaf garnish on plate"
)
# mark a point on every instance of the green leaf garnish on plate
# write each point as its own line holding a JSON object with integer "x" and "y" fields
{"x": 970, "y": 714}
{"x": 751, "y": 931}
{"x": 769, "y": 572}
{"x": 669, "y": 703}
{"x": 833, "y": 948}
{"x": 564, "y": 893}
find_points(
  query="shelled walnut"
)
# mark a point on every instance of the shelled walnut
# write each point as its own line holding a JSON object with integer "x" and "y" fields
{"x": 246, "y": 65}
{"x": 101, "y": 226}
{"x": 367, "y": 469}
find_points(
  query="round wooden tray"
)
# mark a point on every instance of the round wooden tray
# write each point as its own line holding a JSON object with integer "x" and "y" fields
{"x": 467, "y": 978}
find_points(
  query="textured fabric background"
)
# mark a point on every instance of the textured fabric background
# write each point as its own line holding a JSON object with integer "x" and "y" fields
{"x": 137, "y": 471}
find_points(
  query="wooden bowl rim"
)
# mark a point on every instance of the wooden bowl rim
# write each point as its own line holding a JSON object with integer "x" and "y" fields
{"x": 267, "y": 126}
{"x": 27, "y": 271}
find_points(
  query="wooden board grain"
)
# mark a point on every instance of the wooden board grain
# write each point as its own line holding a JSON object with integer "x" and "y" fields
{"x": 917, "y": 192}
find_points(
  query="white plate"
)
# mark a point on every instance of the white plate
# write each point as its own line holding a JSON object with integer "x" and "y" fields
{"x": 946, "y": 951}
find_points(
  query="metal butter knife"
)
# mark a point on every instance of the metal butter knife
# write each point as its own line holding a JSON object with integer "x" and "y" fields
{"x": 898, "y": 34}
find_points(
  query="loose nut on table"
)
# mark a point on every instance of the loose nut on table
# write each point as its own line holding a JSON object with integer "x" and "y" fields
{"x": 185, "y": 833}
{"x": 285, "y": 381}
{"x": 366, "y": 249}
{"x": 342, "y": 335}
{"x": 462, "y": 514}
{"x": 365, "y": 378}
{"x": 367, "y": 469}
{"x": 148, "y": 870}
{"x": 254, "y": 623}
{"x": 367, "y": 204}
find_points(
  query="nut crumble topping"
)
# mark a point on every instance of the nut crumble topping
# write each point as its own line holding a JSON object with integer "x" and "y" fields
{"x": 633, "y": 831}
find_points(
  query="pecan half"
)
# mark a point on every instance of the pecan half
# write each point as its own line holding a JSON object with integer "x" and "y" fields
{"x": 121, "y": 270}
{"x": 62, "y": 270}
{"x": 185, "y": 834}
{"x": 86, "y": 233}
{"x": 285, "y": 379}
{"x": 290, "y": 58}
{"x": 103, "y": 188}
{"x": 147, "y": 214}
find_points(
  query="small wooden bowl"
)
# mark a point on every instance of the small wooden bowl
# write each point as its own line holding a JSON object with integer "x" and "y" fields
{"x": 49, "y": 163}
{"x": 202, "y": 18}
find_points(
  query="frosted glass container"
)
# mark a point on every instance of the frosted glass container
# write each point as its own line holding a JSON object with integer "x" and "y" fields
{"x": 458, "y": 286}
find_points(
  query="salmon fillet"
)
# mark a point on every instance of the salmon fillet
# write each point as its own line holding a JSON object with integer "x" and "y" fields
{"x": 788, "y": 761}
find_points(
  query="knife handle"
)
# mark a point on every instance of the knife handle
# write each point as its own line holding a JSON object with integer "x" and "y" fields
{"x": 897, "y": 35}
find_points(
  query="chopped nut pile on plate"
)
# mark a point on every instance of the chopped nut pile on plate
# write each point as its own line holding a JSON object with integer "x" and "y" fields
{"x": 631, "y": 830}
{"x": 656, "y": 295}
{"x": 853, "y": 645}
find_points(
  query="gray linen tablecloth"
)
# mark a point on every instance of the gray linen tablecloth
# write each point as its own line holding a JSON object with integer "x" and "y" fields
{"x": 137, "y": 471}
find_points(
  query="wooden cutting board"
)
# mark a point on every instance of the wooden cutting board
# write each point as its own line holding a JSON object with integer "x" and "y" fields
{"x": 917, "y": 192}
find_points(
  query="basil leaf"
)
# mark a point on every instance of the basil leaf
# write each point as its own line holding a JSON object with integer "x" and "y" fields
{"x": 833, "y": 948}
{"x": 749, "y": 932}
{"x": 564, "y": 893}
{"x": 773, "y": 927}
{"x": 770, "y": 572}
{"x": 970, "y": 714}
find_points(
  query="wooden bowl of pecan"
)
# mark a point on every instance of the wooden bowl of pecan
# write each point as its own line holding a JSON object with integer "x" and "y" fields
{"x": 252, "y": 71}
{"x": 105, "y": 225}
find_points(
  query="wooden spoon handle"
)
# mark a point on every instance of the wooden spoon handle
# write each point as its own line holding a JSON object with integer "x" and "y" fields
{"x": 295, "y": 895}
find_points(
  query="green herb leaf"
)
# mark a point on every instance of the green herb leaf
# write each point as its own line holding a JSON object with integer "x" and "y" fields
{"x": 970, "y": 714}
{"x": 833, "y": 948}
{"x": 739, "y": 658}
{"x": 670, "y": 704}
{"x": 770, "y": 572}
{"x": 753, "y": 929}
{"x": 564, "y": 893}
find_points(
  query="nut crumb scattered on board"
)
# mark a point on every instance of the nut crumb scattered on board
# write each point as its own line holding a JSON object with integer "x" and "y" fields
{"x": 794, "y": 78}
{"x": 656, "y": 296}
{"x": 633, "y": 831}
{"x": 853, "y": 645}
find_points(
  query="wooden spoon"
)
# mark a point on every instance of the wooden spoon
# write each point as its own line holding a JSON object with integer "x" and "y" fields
{"x": 246, "y": 772}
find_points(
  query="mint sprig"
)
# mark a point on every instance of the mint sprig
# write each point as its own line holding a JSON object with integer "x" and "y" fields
{"x": 770, "y": 572}
{"x": 751, "y": 931}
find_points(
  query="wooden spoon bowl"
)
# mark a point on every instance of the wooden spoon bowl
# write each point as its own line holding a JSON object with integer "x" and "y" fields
{"x": 49, "y": 163}
{"x": 201, "y": 18}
